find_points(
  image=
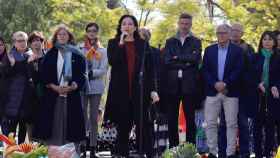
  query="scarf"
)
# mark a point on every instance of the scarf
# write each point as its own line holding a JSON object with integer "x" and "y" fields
{"x": 265, "y": 74}
{"x": 91, "y": 52}
{"x": 67, "y": 50}
{"x": 18, "y": 56}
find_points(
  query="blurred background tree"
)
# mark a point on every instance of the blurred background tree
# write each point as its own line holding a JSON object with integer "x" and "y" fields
{"x": 159, "y": 15}
{"x": 24, "y": 15}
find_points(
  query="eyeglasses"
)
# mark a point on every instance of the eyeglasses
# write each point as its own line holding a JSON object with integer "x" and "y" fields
{"x": 92, "y": 30}
{"x": 236, "y": 30}
{"x": 21, "y": 41}
{"x": 37, "y": 40}
{"x": 222, "y": 33}
{"x": 62, "y": 34}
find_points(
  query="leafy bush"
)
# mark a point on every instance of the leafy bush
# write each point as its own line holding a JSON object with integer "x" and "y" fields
{"x": 186, "y": 150}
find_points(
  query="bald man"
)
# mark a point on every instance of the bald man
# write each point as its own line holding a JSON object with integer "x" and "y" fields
{"x": 222, "y": 66}
{"x": 247, "y": 99}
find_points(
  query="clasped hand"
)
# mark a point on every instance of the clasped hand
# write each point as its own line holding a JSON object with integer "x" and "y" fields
{"x": 64, "y": 90}
{"x": 220, "y": 86}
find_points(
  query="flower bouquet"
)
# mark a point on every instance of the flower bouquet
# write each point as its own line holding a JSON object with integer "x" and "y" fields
{"x": 24, "y": 150}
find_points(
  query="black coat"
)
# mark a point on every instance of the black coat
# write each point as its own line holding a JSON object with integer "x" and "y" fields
{"x": 118, "y": 99}
{"x": 273, "y": 105}
{"x": 8, "y": 73}
{"x": 35, "y": 89}
{"x": 3, "y": 84}
{"x": 75, "y": 119}
{"x": 189, "y": 58}
{"x": 248, "y": 96}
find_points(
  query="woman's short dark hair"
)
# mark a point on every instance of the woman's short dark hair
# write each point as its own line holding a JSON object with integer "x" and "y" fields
{"x": 34, "y": 35}
{"x": 119, "y": 32}
{"x": 272, "y": 36}
{"x": 3, "y": 41}
{"x": 92, "y": 24}
{"x": 63, "y": 27}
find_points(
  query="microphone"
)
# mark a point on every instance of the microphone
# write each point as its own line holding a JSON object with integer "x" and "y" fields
{"x": 122, "y": 37}
{"x": 124, "y": 34}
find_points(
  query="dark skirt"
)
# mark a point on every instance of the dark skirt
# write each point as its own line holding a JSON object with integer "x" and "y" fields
{"x": 59, "y": 127}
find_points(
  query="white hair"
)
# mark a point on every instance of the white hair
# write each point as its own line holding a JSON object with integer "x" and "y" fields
{"x": 224, "y": 26}
{"x": 20, "y": 34}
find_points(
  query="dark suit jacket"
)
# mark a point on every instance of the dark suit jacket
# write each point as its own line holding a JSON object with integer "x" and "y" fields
{"x": 75, "y": 119}
{"x": 232, "y": 73}
{"x": 189, "y": 58}
{"x": 248, "y": 99}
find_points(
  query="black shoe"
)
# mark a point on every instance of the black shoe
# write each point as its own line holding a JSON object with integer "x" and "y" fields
{"x": 245, "y": 156}
{"x": 87, "y": 144}
{"x": 232, "y": 156}
{"x": 92, "y": 152}
{"x": 83, "y": 151}
{"x": 83, "y": 155}
{"x": 222, "y": 156}
{"x": 92, "y": 155}
{"x": 119, "y": 156}
{"x": 211, "y": 155}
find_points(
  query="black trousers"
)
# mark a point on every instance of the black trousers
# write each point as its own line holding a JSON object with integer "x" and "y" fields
{"x": 128, "y": 118}
{"x": 173, "y": 113}
{"x": 264, "y": 132}
{"x": 10, "y": 125}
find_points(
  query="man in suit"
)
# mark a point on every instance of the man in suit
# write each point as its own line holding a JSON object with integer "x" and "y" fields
{"x": 247, "y": 99}
{"x": 182, "y": 55}
{"x": 222, "y": 66}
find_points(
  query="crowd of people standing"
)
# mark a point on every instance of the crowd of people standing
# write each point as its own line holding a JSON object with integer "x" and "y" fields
{"x": 53, "y": 94}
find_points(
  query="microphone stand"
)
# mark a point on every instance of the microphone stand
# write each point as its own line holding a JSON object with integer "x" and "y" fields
{"x": 141, "y": 84}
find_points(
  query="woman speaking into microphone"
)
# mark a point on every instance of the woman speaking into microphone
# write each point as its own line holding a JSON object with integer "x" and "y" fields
{"x": 125, "y": 55}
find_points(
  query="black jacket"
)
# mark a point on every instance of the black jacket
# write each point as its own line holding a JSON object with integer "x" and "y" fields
{"x": 8, "y": 73}
{"x": 273, "y": 105}
{"x": 3, "y": 83}
{"x": 118, "y": 99}
{"x": 189, "y": 58}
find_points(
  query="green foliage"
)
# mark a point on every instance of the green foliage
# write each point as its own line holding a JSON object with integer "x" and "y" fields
{"x": 44, "y": 15}
{"x": 255, "y": 16}
{"x": 41, "y": 151}
{"x": 171, "y": 10}
{"x": 159, "y": 15}
{"x": 186, "y": 150}
{"x": 77, "y": 13}
{"x": 24, "y": 15}
{"x": 146, "y": 7}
